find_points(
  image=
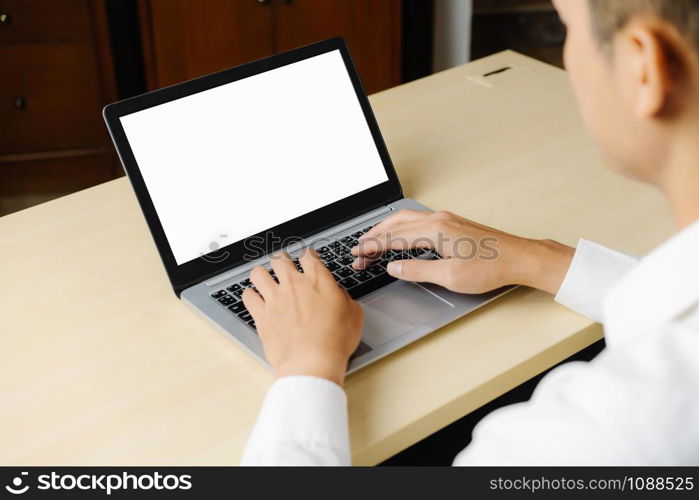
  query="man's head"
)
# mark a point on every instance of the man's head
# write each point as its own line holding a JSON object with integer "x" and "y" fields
{"x": 610, "y": 16}
{"x": 634, "y": 65}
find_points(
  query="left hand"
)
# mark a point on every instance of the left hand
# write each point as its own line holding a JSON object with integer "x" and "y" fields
{"x": 308, "y": 324}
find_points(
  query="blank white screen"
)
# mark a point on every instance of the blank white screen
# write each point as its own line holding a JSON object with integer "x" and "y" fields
{"x": 249, "y": 155}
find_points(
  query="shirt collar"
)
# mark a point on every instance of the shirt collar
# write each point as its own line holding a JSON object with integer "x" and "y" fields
{"x": 661, "y": 287}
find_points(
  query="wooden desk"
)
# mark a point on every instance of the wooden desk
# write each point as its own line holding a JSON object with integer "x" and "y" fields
{"x": 101, "y": 364}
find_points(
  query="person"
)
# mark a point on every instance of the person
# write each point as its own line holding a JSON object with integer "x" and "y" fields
{"x": 634, "y": 67}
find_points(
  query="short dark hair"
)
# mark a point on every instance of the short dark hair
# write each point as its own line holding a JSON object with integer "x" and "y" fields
{"x": 609, "y": 16}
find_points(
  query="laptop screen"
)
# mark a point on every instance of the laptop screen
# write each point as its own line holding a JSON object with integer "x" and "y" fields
{"x": 233, "y": 161}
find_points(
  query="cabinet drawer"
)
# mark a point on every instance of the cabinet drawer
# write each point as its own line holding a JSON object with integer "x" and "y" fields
{"x": 27, "y": 21}
{"x": 57, "y": 175}
{"x": 50, "y": 98}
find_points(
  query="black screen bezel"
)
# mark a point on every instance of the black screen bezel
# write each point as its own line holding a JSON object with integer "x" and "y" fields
{"x": 194, "y": 271}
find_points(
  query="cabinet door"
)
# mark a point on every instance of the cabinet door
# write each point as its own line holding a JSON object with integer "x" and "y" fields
{"x": 372, "y": 29}
{"x": 34, "y": 22}
{"x": 50, "y": 98}
{"x": 184, "y": 39}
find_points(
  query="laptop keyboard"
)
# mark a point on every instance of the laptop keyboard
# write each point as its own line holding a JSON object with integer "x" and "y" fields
{"x": 338, "y": 260}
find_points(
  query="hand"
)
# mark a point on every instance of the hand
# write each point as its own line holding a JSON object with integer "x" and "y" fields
{"x": 307, "y": 323}
{"x": 476, "y": 258}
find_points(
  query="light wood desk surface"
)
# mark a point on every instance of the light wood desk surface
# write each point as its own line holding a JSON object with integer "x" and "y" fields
{"x": 101, "y": 364}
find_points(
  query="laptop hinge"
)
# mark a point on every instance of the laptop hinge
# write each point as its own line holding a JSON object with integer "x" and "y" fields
{"x": 297, "y": 246}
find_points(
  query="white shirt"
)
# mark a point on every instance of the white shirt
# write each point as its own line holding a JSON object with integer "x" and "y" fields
{"x": 637, "y": 403}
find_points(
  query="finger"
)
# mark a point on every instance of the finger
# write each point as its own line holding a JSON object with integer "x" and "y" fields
{"x": 263, "y": 281}
{"x": 421, "y": 234}
{"x": 313, "y": 266}
{"x": 401, "y": 217}
{"x": 254, "y": 304}
{"x": 308, "y": 258}
{"x": 283, "y": 266}
{"x": 430, "y": 271}
{"x": 362, "y": 262}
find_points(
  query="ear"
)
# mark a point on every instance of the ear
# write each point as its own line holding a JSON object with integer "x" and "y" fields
{"x": 643, "y": 68}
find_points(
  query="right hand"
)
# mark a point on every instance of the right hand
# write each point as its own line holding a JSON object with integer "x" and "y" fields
{"x": 476, "y": 258}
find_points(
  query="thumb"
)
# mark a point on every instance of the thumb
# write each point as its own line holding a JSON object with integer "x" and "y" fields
{"x": 432, "y": 271}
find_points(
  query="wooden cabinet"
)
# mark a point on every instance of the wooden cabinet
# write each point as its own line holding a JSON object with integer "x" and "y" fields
{"x": 58, "y": 69}
{"x": 32, "y": 21}
{"x": 187, "y": 38}
{"x": 372, "y": 29}
{"x": 57, "y": 75}
{"x": 184, "y": 39}
{"x": 52, "y": 98}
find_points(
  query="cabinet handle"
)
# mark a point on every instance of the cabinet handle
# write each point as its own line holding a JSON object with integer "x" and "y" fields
{"x": 263, "y": 1}
{"x": 4, "y": 18}
{"x": 20, "y": 102}
{"x": 286, "y": 2}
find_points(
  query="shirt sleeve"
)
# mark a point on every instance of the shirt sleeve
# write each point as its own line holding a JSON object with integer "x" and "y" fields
{"x": 595, "y": 269}
{"x": 633, "y": 405}
{"x": 303, "y": 421}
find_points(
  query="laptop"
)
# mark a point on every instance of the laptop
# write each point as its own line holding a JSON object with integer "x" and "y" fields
{"x": 278, "y": 154}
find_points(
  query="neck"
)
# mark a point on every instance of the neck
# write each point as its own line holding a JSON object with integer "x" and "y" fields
{"x": 680, "y": 179}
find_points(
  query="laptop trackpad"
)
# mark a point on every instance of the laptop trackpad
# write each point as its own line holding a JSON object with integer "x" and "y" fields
{"x": 399, "y": 309}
